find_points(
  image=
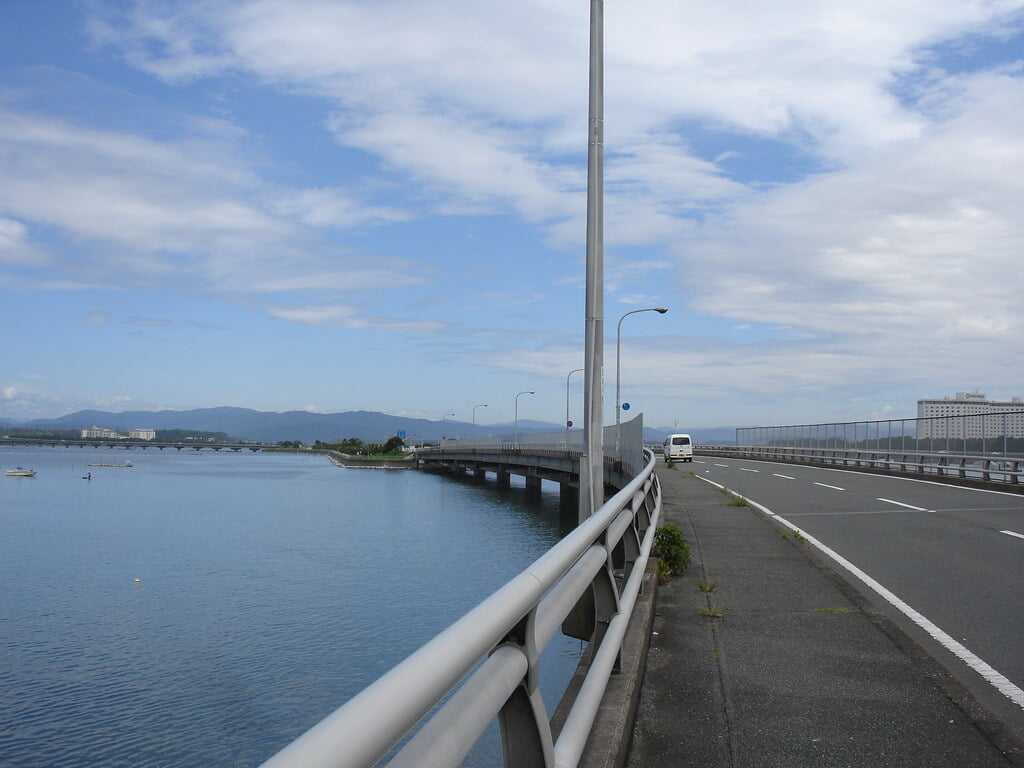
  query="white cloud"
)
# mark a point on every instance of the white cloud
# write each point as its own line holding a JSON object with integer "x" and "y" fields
{"x": 917, "y": 240}
{"x": 335, "y": 209}
{"x": 139, "y": 212}
{"x": 349, "y": 317}
{"x": 14, "y": 245}
{"x": 23, "y": 402}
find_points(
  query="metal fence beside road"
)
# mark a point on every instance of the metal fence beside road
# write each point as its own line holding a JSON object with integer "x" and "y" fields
{"x": 986, "y": 447}
{"x": 982, "y": 434}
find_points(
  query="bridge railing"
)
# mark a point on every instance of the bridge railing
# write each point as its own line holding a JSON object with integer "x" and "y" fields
{"x": 989, "y": 435}
{"x": 496, "y": 647}
{"x": 568, "y": 441}
{"x": 965, "y": 466}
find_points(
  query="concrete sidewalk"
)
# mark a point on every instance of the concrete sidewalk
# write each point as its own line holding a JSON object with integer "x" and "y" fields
{"x": 782, "y": 664}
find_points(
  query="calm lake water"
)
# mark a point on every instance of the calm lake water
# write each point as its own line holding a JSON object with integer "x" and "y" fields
{"x": 201, "y": 610}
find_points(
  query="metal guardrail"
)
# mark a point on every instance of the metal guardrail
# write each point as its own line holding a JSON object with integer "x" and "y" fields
{"x": 496, "y": 647}
{"x": 995, "y": 469}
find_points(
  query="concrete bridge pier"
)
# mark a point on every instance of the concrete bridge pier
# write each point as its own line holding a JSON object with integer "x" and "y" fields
{"x": 480, "y": 474}
{"x": 503, "y": 479}
{"x": 533, "y": 485}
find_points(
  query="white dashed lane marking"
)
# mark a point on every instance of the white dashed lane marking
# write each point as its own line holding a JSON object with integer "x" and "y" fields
{"x": 901, "y": 504}
{"x": 833, "y": 487}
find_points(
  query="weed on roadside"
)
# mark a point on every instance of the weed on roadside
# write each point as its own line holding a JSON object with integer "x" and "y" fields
{"x": 672, "y": 550}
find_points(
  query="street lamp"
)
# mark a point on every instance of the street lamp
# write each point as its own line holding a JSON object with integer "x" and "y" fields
{"x": 442, "y": 426}
{"x": 517, "y": 414}
{"x": 618, "y": 350}
{"x": 481, "y": 405}
{"x": 574, "y": 370}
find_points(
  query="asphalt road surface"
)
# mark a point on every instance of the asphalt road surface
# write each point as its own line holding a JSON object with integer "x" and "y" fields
{"x": 946, "y": 563}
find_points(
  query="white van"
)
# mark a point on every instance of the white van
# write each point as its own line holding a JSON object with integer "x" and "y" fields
{"x": 678, "y": 448}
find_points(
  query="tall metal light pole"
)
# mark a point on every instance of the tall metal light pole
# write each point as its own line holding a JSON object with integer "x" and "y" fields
{"x": 618, "y": 350}
{"x": 481, "y": 405}
{"x": 574, "y": 370}
{"x": 592, "y": 462}
{"x": 517, "y": 415}
{"x": 442, "y": 426}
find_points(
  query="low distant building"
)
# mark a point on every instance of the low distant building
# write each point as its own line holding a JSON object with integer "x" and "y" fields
{"x": 142, "y": 434}
{"x": 980, "y": 417}
{"x": 100, "y": 433}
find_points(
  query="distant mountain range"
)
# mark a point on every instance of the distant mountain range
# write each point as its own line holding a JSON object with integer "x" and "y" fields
{"x": 369, "y": 426}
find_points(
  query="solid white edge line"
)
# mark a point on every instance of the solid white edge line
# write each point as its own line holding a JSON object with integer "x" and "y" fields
{"x": 901, "y": 504}
{"x": 990, "y": 675}
{"x": 834, "y": 487}
{"x": 1013, "y": 533}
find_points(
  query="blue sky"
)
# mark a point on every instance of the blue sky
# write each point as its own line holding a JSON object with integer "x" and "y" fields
{"x": 338, "y": 205}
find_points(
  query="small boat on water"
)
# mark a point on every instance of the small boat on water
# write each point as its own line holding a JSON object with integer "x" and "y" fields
{"x": 125, "y": 464}
{"x": 19, "y": 472}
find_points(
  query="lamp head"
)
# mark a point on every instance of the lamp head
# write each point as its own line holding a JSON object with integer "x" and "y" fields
{"x": 661, "y": 310}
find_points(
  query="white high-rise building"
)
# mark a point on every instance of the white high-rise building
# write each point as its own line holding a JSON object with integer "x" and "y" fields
{"x": 979, "y": 417}
{"x": 142, "y": 434}
{"x": 101, "y": 433}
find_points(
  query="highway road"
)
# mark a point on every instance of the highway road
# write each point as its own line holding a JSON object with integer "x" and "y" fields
{"x": 945, "y": 563}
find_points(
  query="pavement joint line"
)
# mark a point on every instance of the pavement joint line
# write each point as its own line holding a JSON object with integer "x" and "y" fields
{"x": 901, "y": 504}
{"x": 999, "y": 681}
{"x": 1013, "y": 533}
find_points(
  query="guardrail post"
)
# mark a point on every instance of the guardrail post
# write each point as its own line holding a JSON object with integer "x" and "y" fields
{"x": 525, "y": 730}
{"x": 525, "y": 734}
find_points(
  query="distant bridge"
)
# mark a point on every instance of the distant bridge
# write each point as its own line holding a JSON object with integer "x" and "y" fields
{"x": 130, "y": 444}
{"x": 555, "y": 456}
